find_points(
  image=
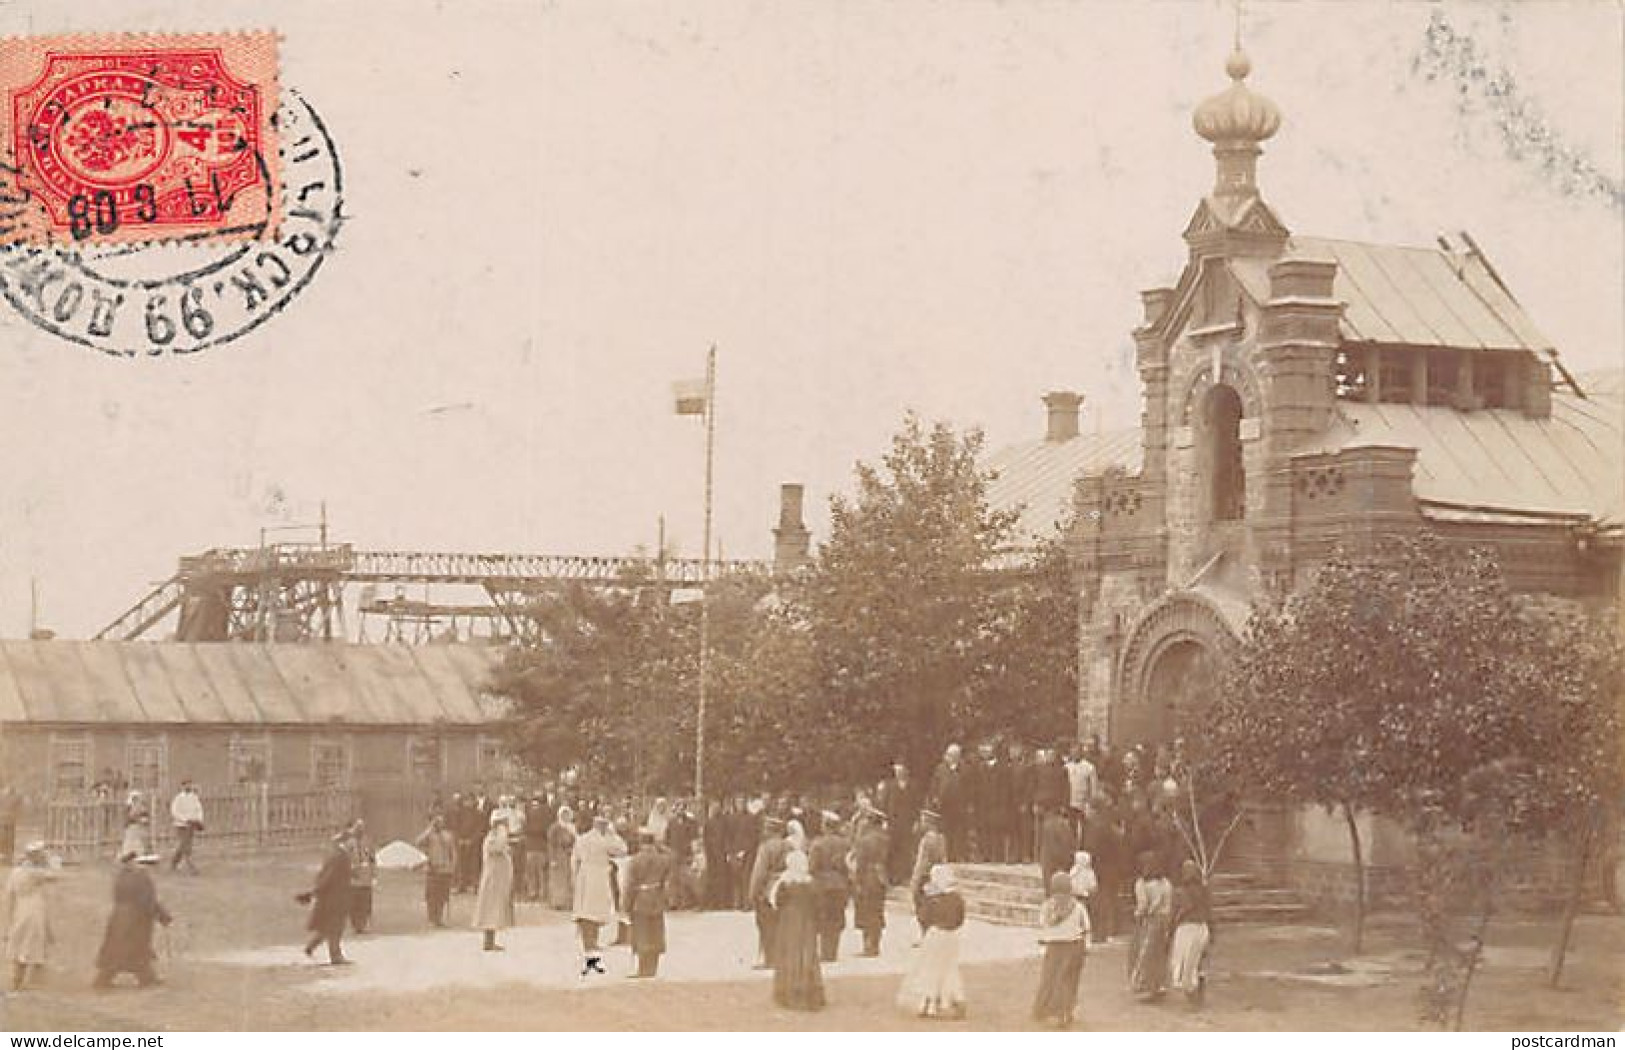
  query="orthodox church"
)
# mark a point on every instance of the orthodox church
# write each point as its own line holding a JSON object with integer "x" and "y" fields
{"x": 1301, "y": 394}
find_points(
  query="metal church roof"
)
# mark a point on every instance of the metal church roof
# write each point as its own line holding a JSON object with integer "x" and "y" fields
{"x": 235, "y": 683}
{"x": 1469, "y": 465}
{"x": 1572, "y": 463}
{"x": 1039, "y": 477}
{"x": 1400, "y": 295}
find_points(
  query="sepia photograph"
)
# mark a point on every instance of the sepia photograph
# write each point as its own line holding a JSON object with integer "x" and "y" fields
{"x": 734, "y": 516}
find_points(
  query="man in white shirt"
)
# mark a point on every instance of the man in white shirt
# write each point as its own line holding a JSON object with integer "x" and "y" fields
{"x": 1082, "y": 785}
{"x": 186, "y": 811}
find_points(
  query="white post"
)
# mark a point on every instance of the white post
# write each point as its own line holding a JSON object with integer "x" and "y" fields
{"x": 705, "y": 579}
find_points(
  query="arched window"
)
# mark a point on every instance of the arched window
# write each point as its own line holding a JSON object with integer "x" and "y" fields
{"x": 1223, "y": 476}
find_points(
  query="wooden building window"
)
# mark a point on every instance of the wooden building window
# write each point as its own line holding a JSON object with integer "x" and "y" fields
{"x": 70, "y": 762}
{"x": 425, "y": 759}
{"x": 249, "y": 759}
{"x": 330, "y": 763}
{"x": 146, "y": 762}
{"x": 489, "y": 758}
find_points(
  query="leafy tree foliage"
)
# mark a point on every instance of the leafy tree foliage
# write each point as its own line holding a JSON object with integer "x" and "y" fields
{"x": 919, "y": 638}
{"x": 913, "y": 625}
{"x": 612, "y": 686}
{"x": 1408, "y": 682}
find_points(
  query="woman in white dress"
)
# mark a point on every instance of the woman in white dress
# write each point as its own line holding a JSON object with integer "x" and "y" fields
{"x": 493, "y": 908}
{"x": 25, "y": 910}
{"x": 933, "y": 988}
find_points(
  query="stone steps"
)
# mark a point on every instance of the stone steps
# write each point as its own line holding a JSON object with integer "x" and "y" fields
{"x": 1012, "y": 894}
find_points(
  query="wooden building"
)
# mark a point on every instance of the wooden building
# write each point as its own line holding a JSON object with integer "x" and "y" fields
{"x": 386, "y": 718}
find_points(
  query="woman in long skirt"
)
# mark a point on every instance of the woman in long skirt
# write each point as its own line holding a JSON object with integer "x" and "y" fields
{"x": 137, "y": 826}
{"x": 1063, "y": 930}
{"x": 26, "y": 910}
{"x": 933, "y": 987}
{"x": 1193, "y": 915}
{"x": 561, "y": 842}
{"x": 493, "y": 908}
{"x": 798, "y": 984}
{"x": 1153, "y": 914}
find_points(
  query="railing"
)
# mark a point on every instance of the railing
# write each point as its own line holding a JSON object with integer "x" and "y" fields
{"x": 440, "y": 567}
{"x": 146, "y": 612}
{"x": 240, "y": 817}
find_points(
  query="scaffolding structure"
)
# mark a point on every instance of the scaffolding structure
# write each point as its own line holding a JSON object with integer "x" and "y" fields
{"x": 297, "y": 591}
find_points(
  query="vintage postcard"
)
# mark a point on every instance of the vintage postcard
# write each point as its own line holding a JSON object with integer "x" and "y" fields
{"x": 906, "y": 515}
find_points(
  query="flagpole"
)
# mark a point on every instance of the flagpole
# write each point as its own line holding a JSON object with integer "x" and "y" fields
{"x": 705, "y": 578}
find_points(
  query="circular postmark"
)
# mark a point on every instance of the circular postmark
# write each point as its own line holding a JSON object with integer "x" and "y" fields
{"x": 189, "y": 293}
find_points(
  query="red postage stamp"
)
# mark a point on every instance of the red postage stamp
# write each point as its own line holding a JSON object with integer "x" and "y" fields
{"x": 133, "y": 138}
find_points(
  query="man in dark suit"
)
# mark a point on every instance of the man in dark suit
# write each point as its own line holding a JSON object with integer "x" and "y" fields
{"x": 330, "y": 902}
{"x": 470, "y": 828}
{"x": 950, "y": 794}
{"x": 743, "y": 836}
{"x": 898, "y": 797}
{"x": 993, "y": 804}
{"x": 1020, "y": 840}
{"x": 1051, "y": 788}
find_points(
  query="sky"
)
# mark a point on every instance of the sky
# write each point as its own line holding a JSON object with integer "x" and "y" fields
{"x": 869, "y": 208}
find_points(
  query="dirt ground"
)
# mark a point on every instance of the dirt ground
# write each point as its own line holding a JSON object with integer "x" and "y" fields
{"x": 232, "y": 962}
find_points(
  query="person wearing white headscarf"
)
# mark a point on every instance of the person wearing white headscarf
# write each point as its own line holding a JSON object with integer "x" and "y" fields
{"x": 493, "y": 906}
{"x": 137, "y": 837}
{"x": 1063, "y": 930}
{"x": 798, "y": 982}
{"x": 796, "y": 836}
{"x": 25, "y": 913}
{"x": 659, "y": 819}
{"x": 933, "y": 987}
{"x": 1084, "y": 883}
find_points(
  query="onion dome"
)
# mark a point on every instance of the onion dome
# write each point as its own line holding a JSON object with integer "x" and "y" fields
{"x": 1237, "y": 116}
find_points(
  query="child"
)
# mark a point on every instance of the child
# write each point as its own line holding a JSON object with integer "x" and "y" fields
{"x": 1063, "y": 929}
{"x": 1084, "y": 883}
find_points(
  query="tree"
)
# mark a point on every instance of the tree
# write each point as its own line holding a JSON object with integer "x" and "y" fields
{"x": 611, "y": 684}
{"x": 915, "y": 622}
{"x": 903, "y": 611}
{"x": 1389, "y": 678}
{"x": 1029, "y": 686}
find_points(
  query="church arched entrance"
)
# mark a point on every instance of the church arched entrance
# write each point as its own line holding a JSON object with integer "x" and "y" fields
{"x": 1171, "y": 664}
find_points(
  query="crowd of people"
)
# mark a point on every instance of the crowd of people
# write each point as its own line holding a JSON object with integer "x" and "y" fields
{"x": 1101, "y": 828}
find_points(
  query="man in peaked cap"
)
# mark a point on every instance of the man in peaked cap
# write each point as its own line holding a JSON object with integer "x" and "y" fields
{"x": 870, "y": 852}
{"x": 648, "y": 886}
{"x": 933, "y": 850}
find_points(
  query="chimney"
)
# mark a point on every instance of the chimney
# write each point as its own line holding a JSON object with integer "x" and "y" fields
{"x": 791, "y": 540}
{"x": 1063, "y": 407}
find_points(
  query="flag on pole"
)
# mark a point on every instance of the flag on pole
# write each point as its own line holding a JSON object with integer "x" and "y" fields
{"x": 691, "y": 396}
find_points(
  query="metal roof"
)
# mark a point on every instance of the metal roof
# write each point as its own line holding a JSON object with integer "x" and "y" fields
{"x": 1408, "y": 296}
{"x": 1039, "y": 477}
{"x": 1480, "y": 465}
{"x": 238, "y": 683}
{"x": 1570, "y": 463}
